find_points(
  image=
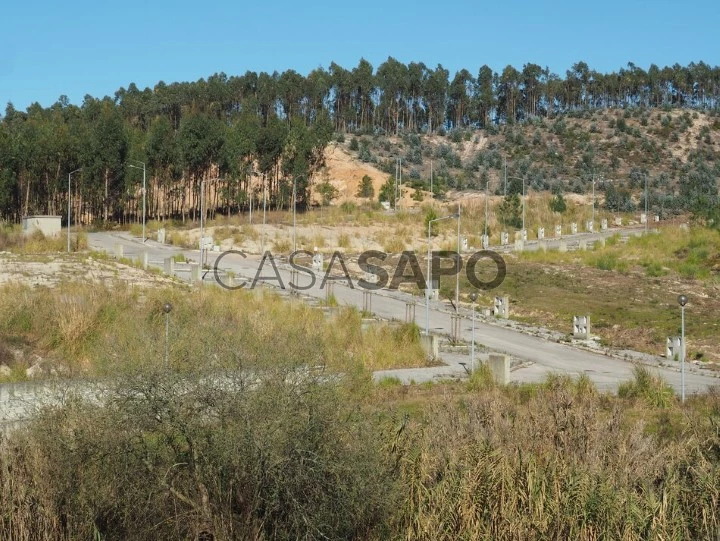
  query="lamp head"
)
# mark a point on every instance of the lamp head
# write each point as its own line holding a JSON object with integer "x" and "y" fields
{"x": 682, "y": 300}
{"x": 167, "y": 307}
{"x": 473, "y": 296}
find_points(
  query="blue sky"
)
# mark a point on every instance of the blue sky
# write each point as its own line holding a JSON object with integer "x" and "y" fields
{"x": 48, "y": 48}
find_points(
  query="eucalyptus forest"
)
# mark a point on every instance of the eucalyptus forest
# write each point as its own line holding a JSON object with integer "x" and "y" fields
{"x": 242, "y": 133}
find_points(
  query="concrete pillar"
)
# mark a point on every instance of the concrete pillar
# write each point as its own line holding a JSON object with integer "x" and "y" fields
{"x": 523, "y": 235}
{"x": 582, "y": 244}
{"x": 590, "y": 226}
{"x": 562, "y": 247}
{"x": 541, "y": 233}
{"x": 603, "y": 224}
{"x": 144, "y": 259}
{"x": 463, "y": 244}
{"x": 643, "y": 218}
{"x": 367, "y": 301}
{"x": 499, "y": 366}
{"x": 485, "y": 242}
{"x": 194, "y": 272}
{"x": 409, "y": 312}
{"x": 542, "y": 245}
{"x": 657, "y": 218}
{"x": 618, "y": 221}
{"x": 161, "y": 235}
{"x": 169, "y": 266}
{"x": 504, "y": 238}
{"x": 601, "y": 241}
{"x": 519, "y": 245}
{"x": 118, "y": 250}
{"x": 558, "y": 231}
{"x": 573, "y": 228}
{"x": 431, "y": 345}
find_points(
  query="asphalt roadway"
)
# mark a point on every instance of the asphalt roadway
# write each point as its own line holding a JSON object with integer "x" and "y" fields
{"x": 536, "y": 357}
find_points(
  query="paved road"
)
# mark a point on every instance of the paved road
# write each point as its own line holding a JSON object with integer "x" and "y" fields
{"x": 543, "y": 356}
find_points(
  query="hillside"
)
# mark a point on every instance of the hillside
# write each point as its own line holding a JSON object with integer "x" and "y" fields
{"x": 618, "y": 147}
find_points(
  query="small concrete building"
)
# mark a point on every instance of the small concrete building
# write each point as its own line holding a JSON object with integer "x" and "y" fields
{"x": 49, "y": 225}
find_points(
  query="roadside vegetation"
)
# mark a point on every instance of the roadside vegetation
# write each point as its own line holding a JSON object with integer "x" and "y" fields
{"x": 94, "y": 330}
{"x": 311, "y": 457}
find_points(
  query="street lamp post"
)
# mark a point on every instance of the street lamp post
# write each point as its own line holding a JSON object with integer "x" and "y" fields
{"x": 167, "y": 307}
{"x": 68, "y": 212}
{"x": 202, "y": 215}
{"x": 144, "y": 191}
{"x": 457, "y": 274}
{"x": 647, "y": 215}
{"x": 682, "y": 301}
{"x": 473, "y": 298}
{"x": 487, "y": 187}
{"x": 429, "y": 278}
{"x": 264, "y": 213}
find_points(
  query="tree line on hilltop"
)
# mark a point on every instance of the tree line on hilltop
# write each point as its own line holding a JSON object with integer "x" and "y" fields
{"x": 257, "y": 133}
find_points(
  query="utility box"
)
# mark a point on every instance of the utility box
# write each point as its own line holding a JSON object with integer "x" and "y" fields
{"x": 501, "y": 307}
{"x": 581, "y": 327}
{"x": 50, "y": 226}
{"x": 673, "y": 347}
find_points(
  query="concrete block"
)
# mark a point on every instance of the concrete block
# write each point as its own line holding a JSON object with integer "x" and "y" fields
{"x": 504, "y": 238}
{"x": 519, "y": 245}
{"x": 431, "y": 345}
{"x": 581, "y": 327}
{"x": 603, "y": 224}
{"x": 523, "y": 235}
{"x": 317, "y": 262}
{"x": 657, "y": 218}
{"x": 161, "y": 235}
{"x": 485, "y": 241}
{"x": 463, "y": 244}
{"x": 541, "y": 233}
{"x": 589, "y": 226}
{"x": 119, "y": 253}
{"x": 169, "y": 266}
{"x": 501, "y": 307}
{"x": 573, "y": 228}
{"x": 643, "y": 218}
{"x": 562, "y": 247}
{"x": 582, "y": 244}
{"x": 558, "y": 231}
{"x": 673, "y": 347}
{"x": 499, "y": 366}
{"x": 194, "y": 272}
{"x": 144, "y": 259}
{"x": 618, "y": 221}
